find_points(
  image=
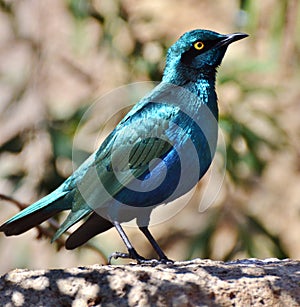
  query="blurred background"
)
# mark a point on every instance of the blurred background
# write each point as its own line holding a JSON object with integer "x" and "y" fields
{"x": 57, "y": 57}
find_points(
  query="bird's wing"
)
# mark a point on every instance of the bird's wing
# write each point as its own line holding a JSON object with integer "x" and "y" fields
{"x": 126, "y": 153}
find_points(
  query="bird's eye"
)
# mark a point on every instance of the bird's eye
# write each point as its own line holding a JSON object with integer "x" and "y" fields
{"x": 199, "y": 45}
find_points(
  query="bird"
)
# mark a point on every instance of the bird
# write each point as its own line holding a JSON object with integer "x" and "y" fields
{"x": 156, "y": 153}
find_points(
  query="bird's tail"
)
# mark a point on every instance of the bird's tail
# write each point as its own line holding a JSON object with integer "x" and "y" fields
{"x": 37, "y": 213}
{"x": 94, "y": 225}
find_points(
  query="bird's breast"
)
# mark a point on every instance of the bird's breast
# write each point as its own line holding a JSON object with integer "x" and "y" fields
{"x": 168, "y": 177}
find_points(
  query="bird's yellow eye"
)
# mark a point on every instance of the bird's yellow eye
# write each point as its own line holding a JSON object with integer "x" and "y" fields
{"x": 199, "y": 45}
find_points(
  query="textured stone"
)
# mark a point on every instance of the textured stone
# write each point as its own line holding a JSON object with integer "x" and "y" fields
{"x": 249, "y": 282}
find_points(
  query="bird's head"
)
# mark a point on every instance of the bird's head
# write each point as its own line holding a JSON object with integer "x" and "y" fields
{"x": 198, "y": 52}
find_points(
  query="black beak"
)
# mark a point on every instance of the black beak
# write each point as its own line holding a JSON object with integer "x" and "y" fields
{"x": 230, "y": 38}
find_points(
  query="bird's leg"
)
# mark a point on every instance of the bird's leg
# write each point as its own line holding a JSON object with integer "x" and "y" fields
{"x": 132, "y": 253}
{"x": 162, "y": 257}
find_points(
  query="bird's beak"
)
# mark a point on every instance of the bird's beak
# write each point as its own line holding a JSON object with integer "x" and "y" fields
{"x": 230, "y": 38}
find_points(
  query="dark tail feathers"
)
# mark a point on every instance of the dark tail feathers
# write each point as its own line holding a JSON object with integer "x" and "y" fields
{"x": 94, "y": 225}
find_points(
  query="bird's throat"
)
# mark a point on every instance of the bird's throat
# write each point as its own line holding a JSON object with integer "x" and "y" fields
{"x": 204, "y": 90}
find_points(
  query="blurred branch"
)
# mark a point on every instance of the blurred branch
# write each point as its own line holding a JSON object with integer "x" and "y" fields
{"x": 9, "y": 199}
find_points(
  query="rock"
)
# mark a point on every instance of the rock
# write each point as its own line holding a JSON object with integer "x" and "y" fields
{"x": 249, "y": 282}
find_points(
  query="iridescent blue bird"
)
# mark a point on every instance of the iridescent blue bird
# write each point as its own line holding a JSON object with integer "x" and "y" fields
{"x": 157, "y": 153}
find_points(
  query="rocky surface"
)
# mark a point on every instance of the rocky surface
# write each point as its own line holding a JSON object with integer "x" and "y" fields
{"x": 249, "y": 282}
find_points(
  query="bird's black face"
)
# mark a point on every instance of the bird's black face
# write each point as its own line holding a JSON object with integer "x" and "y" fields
{"x": 202, "y": 49}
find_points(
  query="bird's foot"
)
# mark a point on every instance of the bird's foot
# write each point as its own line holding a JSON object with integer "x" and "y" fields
{"x": 132, "y": 254}
{"x": 165, "y": 261}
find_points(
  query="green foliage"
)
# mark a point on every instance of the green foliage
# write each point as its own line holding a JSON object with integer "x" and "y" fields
{"x": 252, "y": 240}
{"x": 245, "y": 162}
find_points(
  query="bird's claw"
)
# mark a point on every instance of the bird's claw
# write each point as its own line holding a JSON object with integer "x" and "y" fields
{"x": 132, "y": 255}
{"x": 139, "y": 259}
{"x": 165, "y": 261}
{"x": 117, "y": 255}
